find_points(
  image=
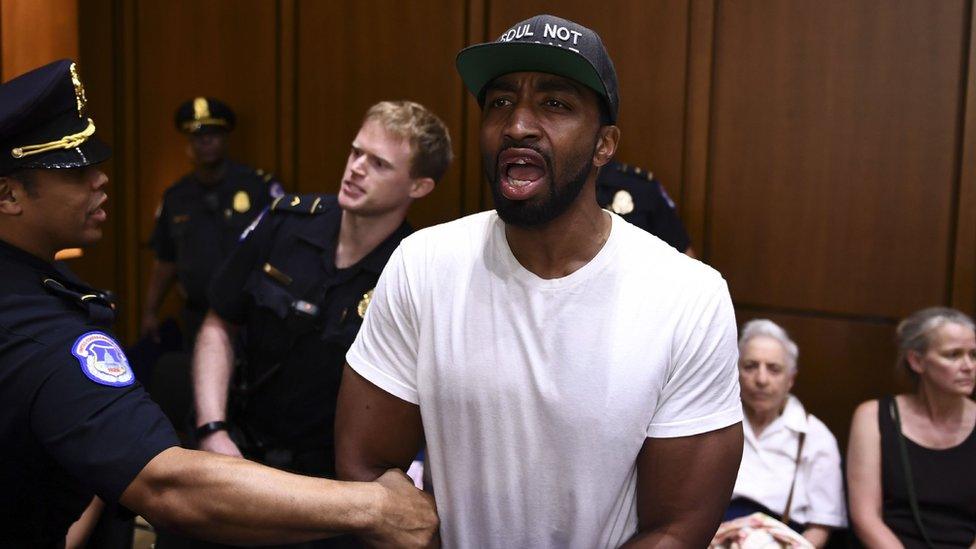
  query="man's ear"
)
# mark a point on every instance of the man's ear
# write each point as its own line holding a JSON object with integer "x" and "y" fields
{"x": 10, "y": 189}
{"x": 606, "y": 145}
{"x": 421, "y": 187}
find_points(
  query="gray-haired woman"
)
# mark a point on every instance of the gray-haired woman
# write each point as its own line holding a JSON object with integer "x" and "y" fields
{"x": 910, "y": 457}
{"x": 790, "y": 467}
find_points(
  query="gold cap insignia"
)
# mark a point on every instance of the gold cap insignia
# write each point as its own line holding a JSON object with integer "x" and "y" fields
{"x": 364, "y": 303}
{"x": 201, "y": 109}
{"x": 80, "y": 98}
{"x": 242, "y": 202}
{"x": 622, "y": 203}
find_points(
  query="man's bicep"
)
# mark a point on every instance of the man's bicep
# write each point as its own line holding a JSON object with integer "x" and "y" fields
{"x": 684, "y": 484}
{"x": 374, "y": 430}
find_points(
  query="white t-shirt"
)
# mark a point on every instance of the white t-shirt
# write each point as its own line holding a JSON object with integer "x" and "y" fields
{"x": 769, "y": 463}
{"x": 537, "y": 395}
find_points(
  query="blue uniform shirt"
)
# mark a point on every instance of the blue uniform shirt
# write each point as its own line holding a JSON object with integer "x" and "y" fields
{"x": 300, "y": 315}
{"x": 73, "y": 421}
{"x": 197, "y": 226}
{"x": 637, "y": 196}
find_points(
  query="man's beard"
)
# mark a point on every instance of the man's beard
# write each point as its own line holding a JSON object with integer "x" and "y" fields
{"x": 534, "y": 213}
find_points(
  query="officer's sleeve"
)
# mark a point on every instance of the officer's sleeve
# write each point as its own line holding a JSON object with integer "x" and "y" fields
{"x": 701, "y": 391}
{"x": 101, "y": 435}
{"x": 226, "y": 293}
{"x": 385, "y": 349}
{"x": 665, "y": 223}
{"x": 161, "y": 240}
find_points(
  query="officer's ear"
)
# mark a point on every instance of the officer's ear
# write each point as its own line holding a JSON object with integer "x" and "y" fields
{"x": 421, "y": 187}
{"x": 10, "y": 189}
{"x": 606, "y": 145}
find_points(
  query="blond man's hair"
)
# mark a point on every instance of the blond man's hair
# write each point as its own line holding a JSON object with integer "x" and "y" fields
{"x": 426, "y": 133}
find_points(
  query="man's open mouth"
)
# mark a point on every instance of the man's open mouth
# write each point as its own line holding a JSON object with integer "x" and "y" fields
{"x": 522, "y": 171}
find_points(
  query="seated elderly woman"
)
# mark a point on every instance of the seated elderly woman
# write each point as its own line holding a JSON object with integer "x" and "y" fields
{"x": 790, "y": 463}
{"x": 910, "y": 458}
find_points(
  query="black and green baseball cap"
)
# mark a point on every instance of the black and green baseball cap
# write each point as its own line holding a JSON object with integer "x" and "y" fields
{"x": 544, "y": 43}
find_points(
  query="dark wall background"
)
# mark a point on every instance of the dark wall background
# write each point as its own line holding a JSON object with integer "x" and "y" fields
{"x": 821, "y": 153}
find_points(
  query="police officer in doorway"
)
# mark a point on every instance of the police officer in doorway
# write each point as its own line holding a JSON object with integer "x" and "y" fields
{"x": 636, "y": 195}
{"x": 297, "y": 288}
{"x": 73, "y": 420}
{"x": 203, "y": 214}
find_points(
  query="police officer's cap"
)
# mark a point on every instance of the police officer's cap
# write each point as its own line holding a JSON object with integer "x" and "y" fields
{"x": 43, "y": 123}
{"x": 204, "y": 115}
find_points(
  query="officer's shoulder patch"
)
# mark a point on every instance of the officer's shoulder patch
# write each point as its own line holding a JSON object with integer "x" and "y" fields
{"x": 308, "y": 204}
{"x": 102, "y": 360}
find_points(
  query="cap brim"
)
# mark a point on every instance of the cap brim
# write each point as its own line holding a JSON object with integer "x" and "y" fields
{"x": 92, "y": 151}
{"x": 480, "y": 64}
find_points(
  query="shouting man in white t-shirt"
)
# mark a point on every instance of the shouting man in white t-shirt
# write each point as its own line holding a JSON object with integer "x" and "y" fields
{"x": 574, "y": 378}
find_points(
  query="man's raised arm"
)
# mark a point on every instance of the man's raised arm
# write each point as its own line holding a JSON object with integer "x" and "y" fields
{"x": 374, "y": 431}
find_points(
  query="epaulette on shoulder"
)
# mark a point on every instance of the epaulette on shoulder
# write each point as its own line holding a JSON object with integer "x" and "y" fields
{"x": 636, "y": 171}
{"x": 309, "y": 204}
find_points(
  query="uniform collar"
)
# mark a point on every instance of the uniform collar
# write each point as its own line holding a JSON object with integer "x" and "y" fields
{"x": 377, "y": 259}
{"x": 324, "y": 232}
{"x": 43, "y": 269}
{"x": 17, "y": 255}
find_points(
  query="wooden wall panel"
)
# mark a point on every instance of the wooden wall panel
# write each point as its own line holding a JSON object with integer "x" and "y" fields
{"x": 842, "y": 363}
{"x": 36, "y": 32}
{"x": 350, "y": 58}
{"x": 225, "y": 49}
{"x": 647, "y": 41}
{"x": 99, "y": 264}
{"x": 694, "y": 196}
{"x": 964, "y": 264}
{"x": 833, "y": 152}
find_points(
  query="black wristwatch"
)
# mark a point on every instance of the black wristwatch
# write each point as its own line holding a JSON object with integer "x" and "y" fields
{"x": 210, "y": 428}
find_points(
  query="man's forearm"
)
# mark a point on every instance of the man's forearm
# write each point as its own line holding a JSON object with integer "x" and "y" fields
{"x": 160, "y": 278}
{"x": 213, "y": 365}
{"x": 232, "y": 500}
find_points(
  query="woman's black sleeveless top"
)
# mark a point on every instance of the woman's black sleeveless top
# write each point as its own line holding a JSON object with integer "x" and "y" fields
{"x": 945, "y": 485}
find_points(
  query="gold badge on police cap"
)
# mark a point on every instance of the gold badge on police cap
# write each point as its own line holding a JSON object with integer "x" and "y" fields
{"x": 623, "y": 203}
{"x": 80, "y": 98}
{"x": 364, "y": 303}
{"x": 242, "y": 202}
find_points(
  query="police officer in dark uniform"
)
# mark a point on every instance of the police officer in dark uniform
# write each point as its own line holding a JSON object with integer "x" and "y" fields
{"x": 73, "y": 420}
{"x": 298, "y": 286}
{"x": 300, "y": 314}
{"x": 203, "y": 214}
{"x": 637, "y": 196}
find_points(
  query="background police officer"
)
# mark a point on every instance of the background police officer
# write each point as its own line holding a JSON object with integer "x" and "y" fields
{"x": 300, "y": 283}
{"x": 73, "y": 420}
{"x": 203, "y": 214}
{"x": 636, "y": 195}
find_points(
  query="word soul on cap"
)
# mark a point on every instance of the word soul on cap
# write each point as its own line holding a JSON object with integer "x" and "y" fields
{"x": 549, "y": 30}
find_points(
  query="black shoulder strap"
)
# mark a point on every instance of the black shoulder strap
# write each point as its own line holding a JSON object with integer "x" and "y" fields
{"x": 100, "y": 309}
{"x": 907, "y": 469}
